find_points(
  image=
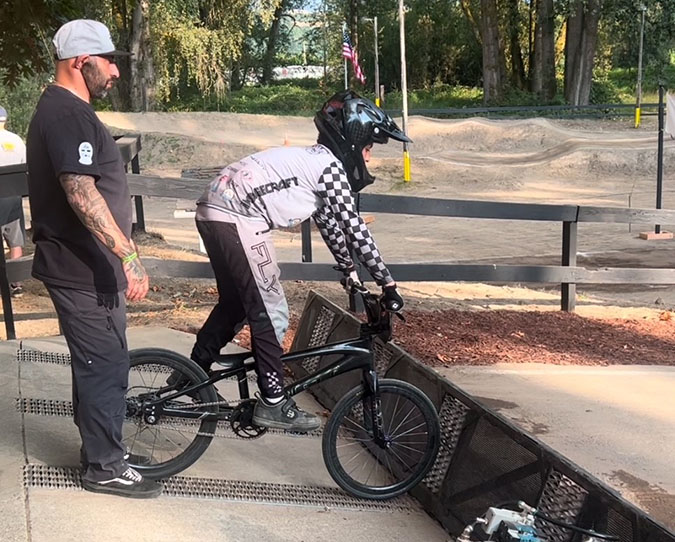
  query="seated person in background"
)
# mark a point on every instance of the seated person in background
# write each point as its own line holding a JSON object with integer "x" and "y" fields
{"x": 12, "y": 151}
{"x": 282, "y": 187}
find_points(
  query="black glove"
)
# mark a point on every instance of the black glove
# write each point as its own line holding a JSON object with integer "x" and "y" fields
{"x": 392, "y": 300}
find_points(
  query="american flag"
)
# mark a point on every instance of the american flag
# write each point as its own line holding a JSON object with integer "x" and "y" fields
{"x": 350, "y": 53}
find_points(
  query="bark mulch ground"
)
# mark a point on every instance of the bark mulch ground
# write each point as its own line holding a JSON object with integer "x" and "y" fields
{"x": 454, "y": 337}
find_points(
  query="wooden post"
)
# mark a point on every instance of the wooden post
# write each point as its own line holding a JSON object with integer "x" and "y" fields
{"x": 138, "y": 200}
{"x": 568, "y": 291}
{"x": 7, "y": 311}
{"x": 659, "y": 155}
{"x": 306, "y": 229}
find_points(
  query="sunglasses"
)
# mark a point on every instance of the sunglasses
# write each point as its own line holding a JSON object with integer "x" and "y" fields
{"x": 112, "y": 59}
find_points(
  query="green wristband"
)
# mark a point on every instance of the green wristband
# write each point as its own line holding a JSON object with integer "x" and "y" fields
{"x": 130, "y": 258}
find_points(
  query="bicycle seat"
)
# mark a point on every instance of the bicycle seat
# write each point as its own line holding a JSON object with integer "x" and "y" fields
{"x": 232, "y": 361}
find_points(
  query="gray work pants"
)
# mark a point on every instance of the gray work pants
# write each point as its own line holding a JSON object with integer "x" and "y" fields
{"x": 94, "y": 326}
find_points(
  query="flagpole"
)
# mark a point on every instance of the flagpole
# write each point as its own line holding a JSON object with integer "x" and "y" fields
{"x": 344, "y": 30}
{"x": 377, "y": 67}
{"x": 404, "y": 92}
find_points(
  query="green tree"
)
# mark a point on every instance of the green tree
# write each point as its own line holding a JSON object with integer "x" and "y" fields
{"x": 580, "y": 48}
{"x": 27, "y": 30}
{"x": 543, "y": 69}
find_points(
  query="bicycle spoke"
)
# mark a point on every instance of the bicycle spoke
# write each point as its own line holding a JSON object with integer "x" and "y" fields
{"x": 389, "y": 467}
{"x": 362, "y": 466}
{"x": 402, "y": 421}
{"x": 355, "y": 456}
{"x": 356, "y": 424}
{"x": 356, "y": 441}
{"x": 173, "y": 435}
{"x": 394, "y": 461}
{"x": 136, "y": 434}
{"x": 394, "y": 414}
{"x": 408, "y": 431}
{"x": 413, "y": 453}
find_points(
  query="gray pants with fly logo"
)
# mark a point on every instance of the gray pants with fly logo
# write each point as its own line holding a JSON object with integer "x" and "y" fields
{"x": 247, "y": 276}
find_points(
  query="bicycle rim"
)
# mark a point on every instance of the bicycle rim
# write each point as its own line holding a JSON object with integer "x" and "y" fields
{"x": 171, "y": 444}
{"x": 367, "y": 469}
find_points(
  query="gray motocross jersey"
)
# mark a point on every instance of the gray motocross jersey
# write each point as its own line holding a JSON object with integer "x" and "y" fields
{"x": 284, "y": 186}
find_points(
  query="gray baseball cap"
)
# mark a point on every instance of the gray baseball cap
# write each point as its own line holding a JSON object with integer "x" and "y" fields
{"x": 84, "y": 37}
{"x": 3, "y": 114}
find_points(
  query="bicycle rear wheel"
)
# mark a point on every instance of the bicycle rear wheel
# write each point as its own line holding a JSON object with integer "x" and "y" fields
{"x": 370, "y": 470}
{"x": 169, "y": 444}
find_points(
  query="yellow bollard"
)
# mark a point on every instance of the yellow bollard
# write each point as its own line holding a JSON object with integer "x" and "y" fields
{"x": 406, "y": 166}
{"x": 377, "y": 102}
{"x": 637, "y": 117}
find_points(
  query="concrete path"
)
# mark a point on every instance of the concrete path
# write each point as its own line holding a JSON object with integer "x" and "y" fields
{"x": 261, "y": 482}
{"x": 616, "y": 422}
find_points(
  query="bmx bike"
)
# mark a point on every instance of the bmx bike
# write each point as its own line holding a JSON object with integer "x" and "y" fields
{"x": 381, "y": 439}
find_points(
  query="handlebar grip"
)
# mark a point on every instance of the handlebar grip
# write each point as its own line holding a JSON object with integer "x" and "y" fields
{"x": 353, "y": 286}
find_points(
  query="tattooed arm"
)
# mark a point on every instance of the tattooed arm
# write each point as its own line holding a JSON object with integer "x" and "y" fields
{"x": 93, "y": 211}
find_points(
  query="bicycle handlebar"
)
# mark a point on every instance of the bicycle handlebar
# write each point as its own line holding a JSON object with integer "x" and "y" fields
{"x": 379, "y": 318}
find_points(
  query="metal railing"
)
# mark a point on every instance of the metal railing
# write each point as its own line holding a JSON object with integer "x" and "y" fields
{"x": 567, "y": 274}
{"x": 520, "y": 111}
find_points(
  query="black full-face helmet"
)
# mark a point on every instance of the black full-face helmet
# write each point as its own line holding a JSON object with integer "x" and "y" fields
{"x": 348, "y": 123}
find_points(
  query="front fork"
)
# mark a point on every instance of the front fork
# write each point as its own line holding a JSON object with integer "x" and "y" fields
{"x": 372, "y": 403}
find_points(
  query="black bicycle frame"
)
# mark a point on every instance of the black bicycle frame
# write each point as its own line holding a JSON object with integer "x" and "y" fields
{"x": 354, "y": 354}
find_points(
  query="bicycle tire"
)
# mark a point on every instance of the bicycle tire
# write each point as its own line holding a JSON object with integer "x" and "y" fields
{"x": 344, "y": 437}
{"x": 170, "y": 446}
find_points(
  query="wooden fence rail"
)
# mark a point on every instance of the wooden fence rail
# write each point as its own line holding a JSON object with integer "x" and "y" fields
{"x": 567, "y": 274}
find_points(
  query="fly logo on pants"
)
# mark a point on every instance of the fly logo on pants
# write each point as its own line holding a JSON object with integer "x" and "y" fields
{"x": 264, "y": 253}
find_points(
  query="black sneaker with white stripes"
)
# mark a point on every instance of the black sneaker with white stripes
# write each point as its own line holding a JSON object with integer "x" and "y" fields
{"x": 284, "y": 415}
{"x": 132, "y": 459}
{"x": 128, "y": 484}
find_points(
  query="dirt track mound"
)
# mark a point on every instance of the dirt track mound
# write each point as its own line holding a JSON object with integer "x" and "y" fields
{"x": 176, "y": 141}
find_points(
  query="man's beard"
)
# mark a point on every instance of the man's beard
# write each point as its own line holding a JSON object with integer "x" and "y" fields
{"x": 95, "y": 79}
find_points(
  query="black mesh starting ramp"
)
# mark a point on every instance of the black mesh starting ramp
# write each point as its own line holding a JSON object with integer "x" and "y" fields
{"x": 484, "y": 460}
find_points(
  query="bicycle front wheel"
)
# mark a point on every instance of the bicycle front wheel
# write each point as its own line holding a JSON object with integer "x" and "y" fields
{"x": 372, "y": 470}
{"x": 165, "y": 445}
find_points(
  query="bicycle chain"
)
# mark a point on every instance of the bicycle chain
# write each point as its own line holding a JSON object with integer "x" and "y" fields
{"x": 233, "y": 435}
{"x": 184, "y": 429}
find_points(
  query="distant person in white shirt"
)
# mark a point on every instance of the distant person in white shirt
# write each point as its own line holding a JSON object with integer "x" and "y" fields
{"x": 12, "y": 151}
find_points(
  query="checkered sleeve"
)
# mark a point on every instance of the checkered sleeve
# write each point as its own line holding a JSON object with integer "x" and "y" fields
{"x": 333, "y": 237}
{"x": 344, "y": 227}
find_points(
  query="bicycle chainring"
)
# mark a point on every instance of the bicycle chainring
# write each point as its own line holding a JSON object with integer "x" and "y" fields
{"x": 241, "y": 420}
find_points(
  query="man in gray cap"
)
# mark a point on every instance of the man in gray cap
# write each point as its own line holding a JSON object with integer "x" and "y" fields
{"x": 12, "y": 151}
{"x": 81, "y": 215}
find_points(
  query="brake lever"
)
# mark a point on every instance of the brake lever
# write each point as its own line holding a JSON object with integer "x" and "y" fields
{"x": 352, "y": 287}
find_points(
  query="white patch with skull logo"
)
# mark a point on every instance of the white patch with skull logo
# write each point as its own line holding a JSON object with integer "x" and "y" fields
{"x": 86, "y": 153}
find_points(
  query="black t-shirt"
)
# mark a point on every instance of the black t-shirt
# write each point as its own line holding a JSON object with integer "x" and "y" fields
{"x": 66, "y": 136}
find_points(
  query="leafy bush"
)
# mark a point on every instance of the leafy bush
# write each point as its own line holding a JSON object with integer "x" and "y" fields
{"x": 603, "y": 91}
{"x": 277, "y": 99}
{"x": 20, "y": 102}
{"x": 439, "y": 96}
